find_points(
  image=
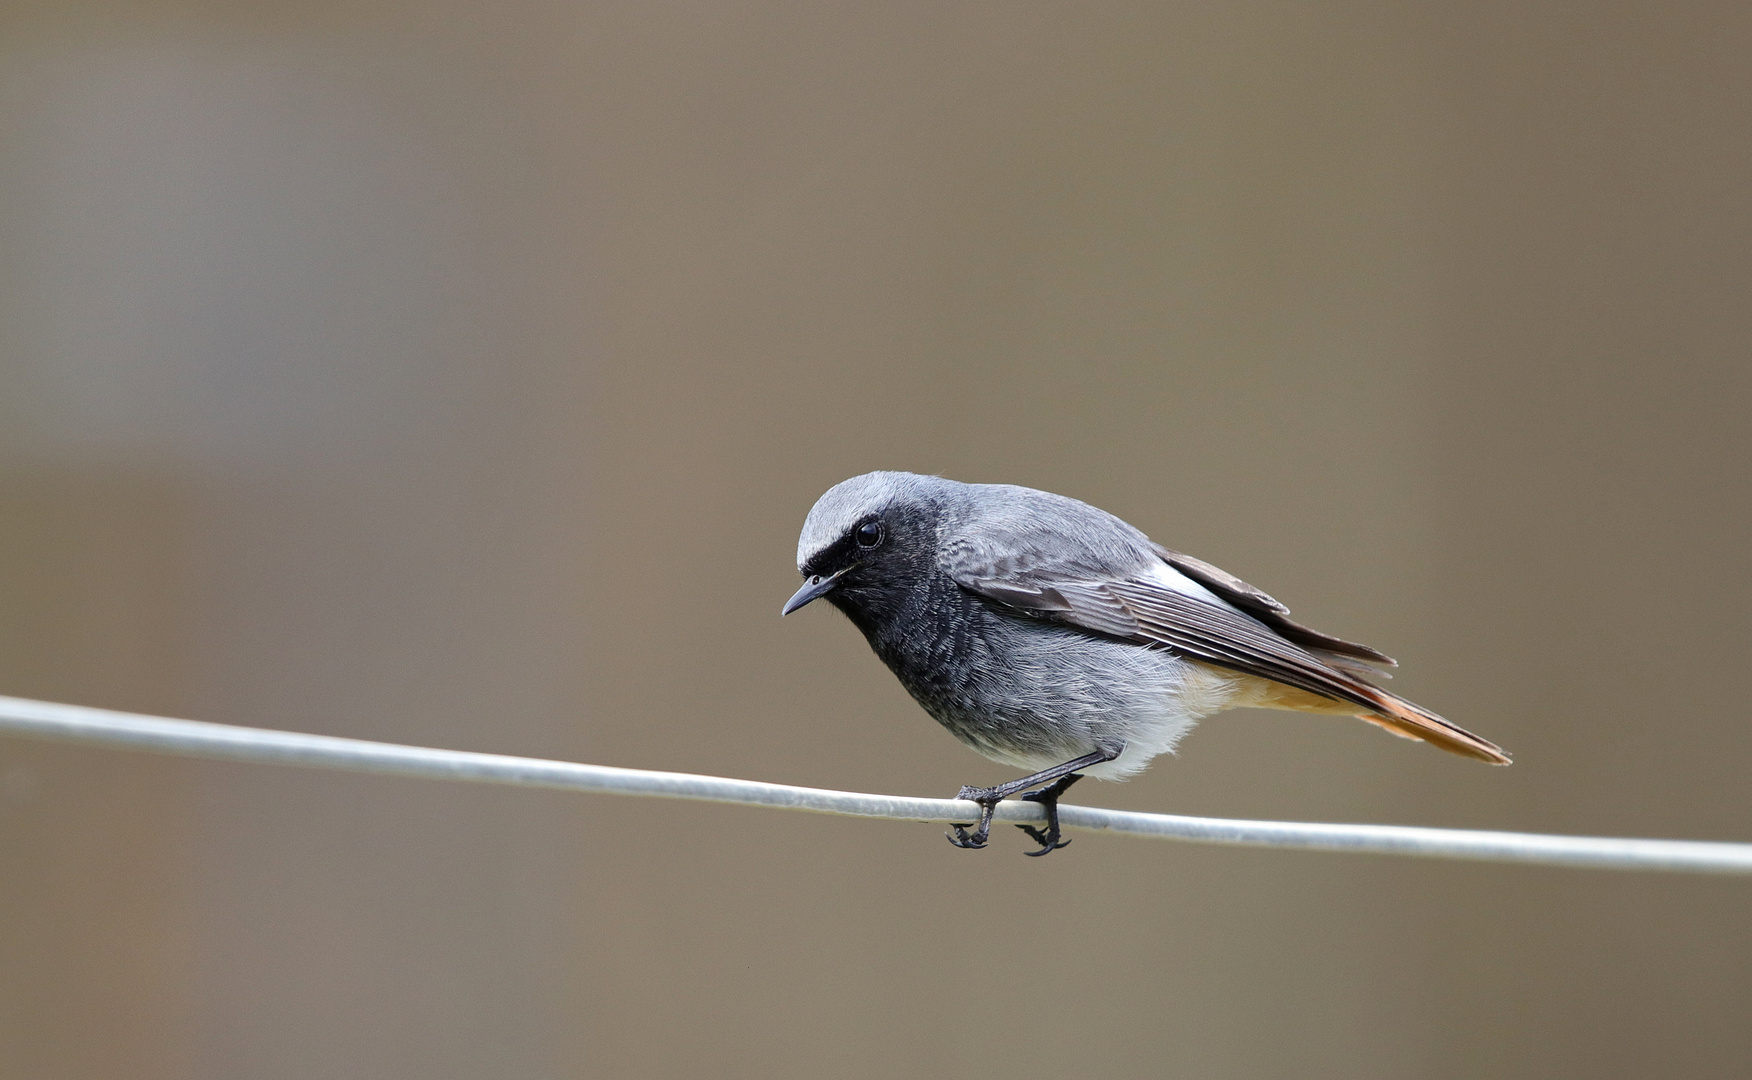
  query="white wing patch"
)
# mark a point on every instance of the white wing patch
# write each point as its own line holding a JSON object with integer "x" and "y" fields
{"x": 1160, "y": 573}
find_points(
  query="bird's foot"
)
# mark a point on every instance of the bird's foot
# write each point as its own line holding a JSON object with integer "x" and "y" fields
{"x": 988, "y": 800}
{"x": 1048, "y": 797}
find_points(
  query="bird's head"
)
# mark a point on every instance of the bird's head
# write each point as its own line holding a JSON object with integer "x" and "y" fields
{"x": 869, "y": 540}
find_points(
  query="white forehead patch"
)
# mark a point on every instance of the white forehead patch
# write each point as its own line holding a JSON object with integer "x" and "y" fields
{"x": 850, "y": 501}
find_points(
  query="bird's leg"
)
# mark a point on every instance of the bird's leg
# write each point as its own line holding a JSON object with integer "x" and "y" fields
{"x": 1048, "y": 797}
{"x": 960, "y": 837}
{"x": 989, "y": 798}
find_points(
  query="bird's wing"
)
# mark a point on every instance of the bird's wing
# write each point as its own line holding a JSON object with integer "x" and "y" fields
{"x": 1266, "y": 609}
{"x": 1145, "y": 612}
{"x": 1144, "y": 608}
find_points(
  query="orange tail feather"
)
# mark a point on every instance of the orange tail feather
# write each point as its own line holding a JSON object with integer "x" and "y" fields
{"x": 1414, "y": 722}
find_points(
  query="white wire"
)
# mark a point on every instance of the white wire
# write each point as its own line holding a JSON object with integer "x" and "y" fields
{"x": 190, "y": 738}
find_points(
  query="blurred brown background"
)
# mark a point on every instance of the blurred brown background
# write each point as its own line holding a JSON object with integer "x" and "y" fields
{"x": 460, "y": 374}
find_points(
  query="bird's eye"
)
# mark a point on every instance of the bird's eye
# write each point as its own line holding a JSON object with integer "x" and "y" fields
{"x": 870, "y": 534}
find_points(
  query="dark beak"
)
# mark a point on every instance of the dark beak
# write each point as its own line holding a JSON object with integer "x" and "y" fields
{"x": 813, "y": 589}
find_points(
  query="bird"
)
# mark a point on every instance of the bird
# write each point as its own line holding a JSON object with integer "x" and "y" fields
{"x": 1049, "y": 635}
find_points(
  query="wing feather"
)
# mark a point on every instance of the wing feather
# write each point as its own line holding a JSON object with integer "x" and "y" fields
{"x": 1269, "y": 610}
{"x": 1147, "y": 613}
{"x": 1049, "y": 557}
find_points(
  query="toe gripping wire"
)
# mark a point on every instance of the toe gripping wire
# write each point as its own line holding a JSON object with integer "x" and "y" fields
{"x": 1059, "y": 779}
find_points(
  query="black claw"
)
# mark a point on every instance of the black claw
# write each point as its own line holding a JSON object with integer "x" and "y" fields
{"x": 1048, "y": 797}
{"x": 961, "y": 838}
{"x": 1044, "y": 839}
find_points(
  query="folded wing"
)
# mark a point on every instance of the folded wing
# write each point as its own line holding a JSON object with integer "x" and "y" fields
{"x": 1253, "y": 636}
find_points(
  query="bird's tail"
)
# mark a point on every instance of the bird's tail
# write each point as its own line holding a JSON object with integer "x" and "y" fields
{"x": 1403, "y": 718}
